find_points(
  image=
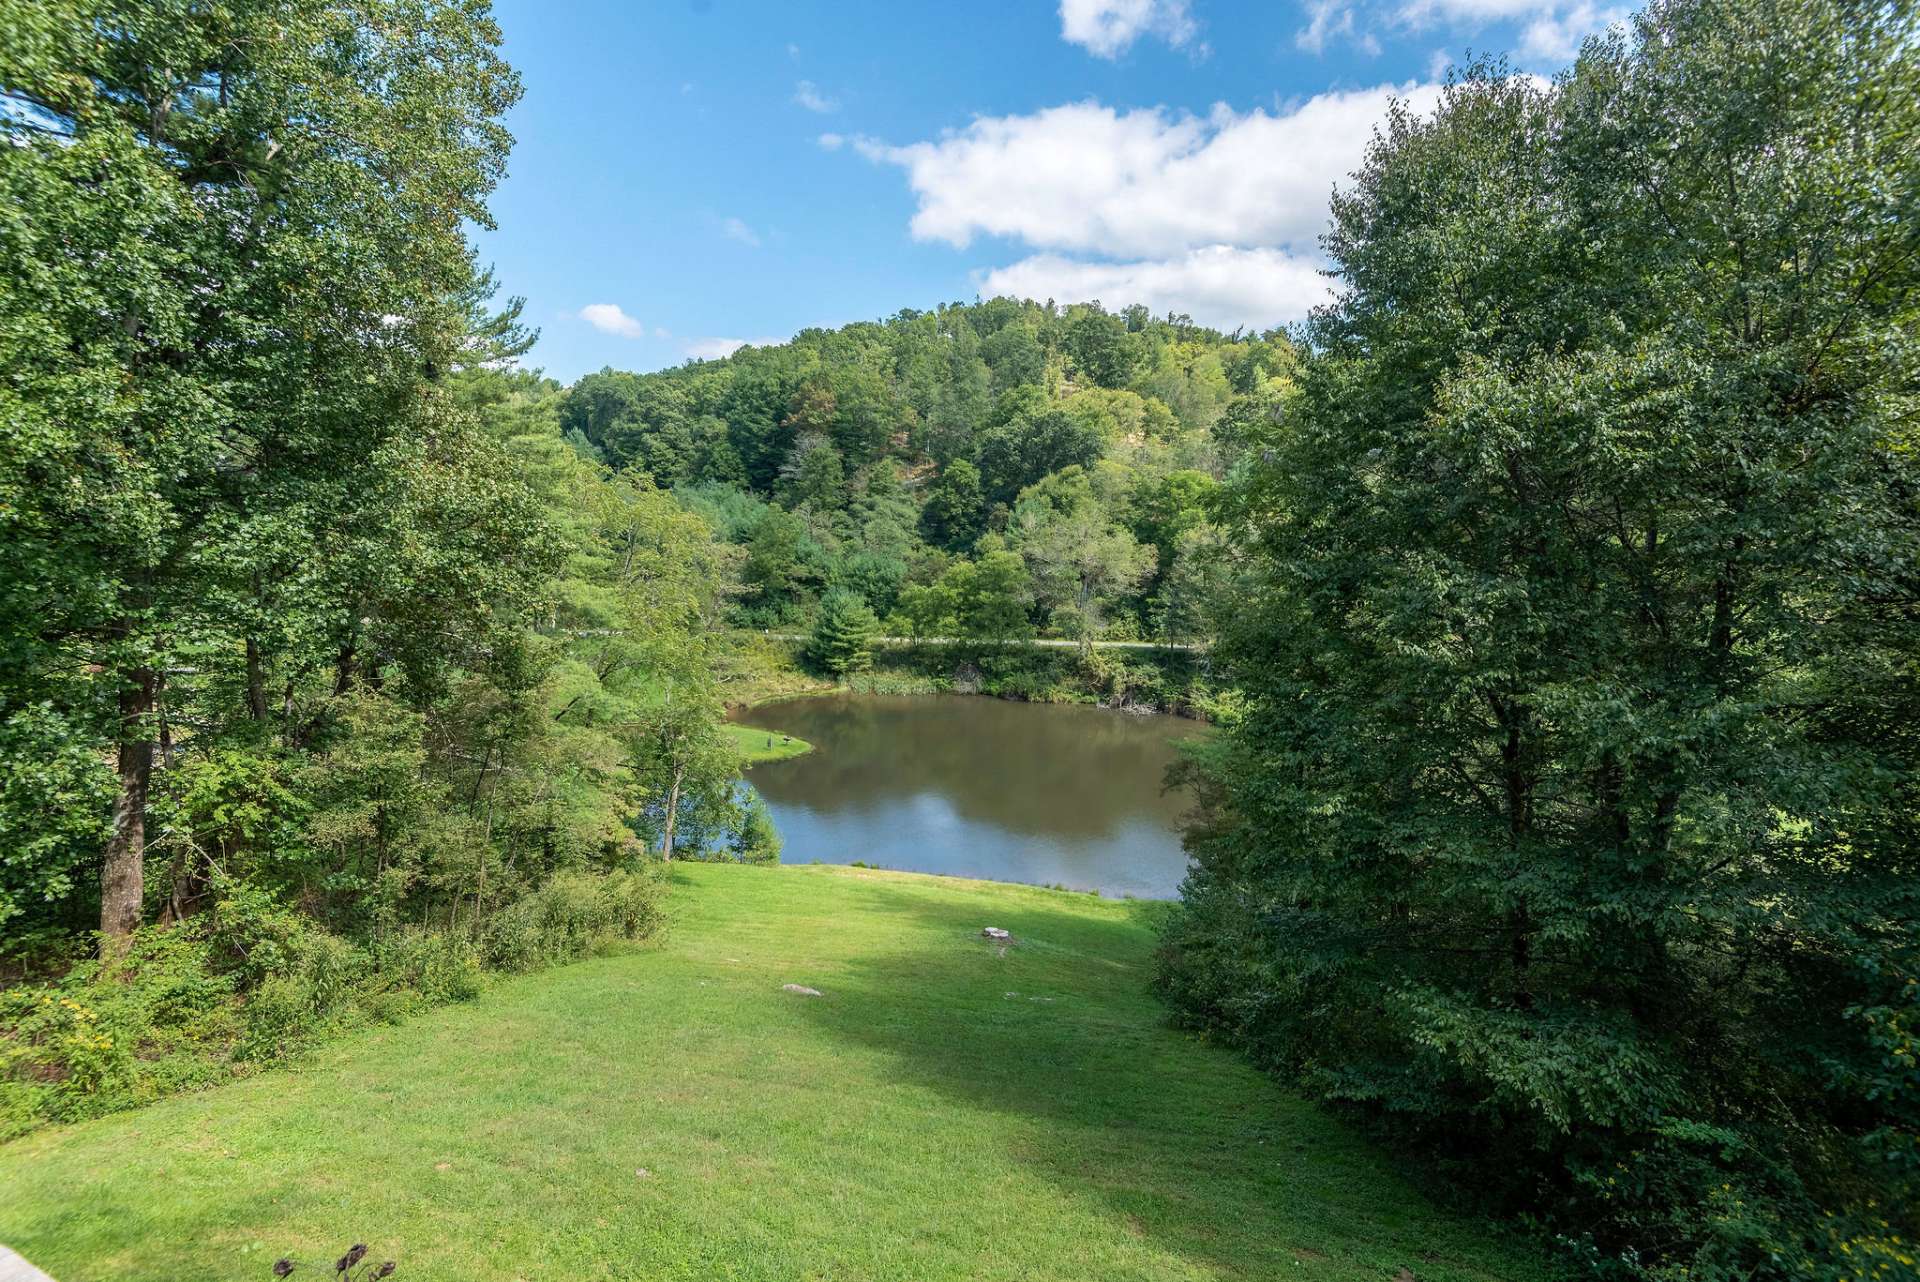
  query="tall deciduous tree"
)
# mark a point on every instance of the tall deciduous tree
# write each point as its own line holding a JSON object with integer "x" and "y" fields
{"x": 232, "y": 268}
{"x": 1080, "y": 561}
{"x": 1571, "y": 821}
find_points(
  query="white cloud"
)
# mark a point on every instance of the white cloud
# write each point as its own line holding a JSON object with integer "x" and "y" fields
{"x": 1218, "y": 285}
{"x": 1556, "y": 37}
{"x": 609, "y": 319}
{"x": 1552, "y": 32}
{"x": 1217, "y": 216}
{"x": 1547, "y": 33}
{"x": 712, "y": 349}
{"x": 1108, "y": 28}
{"x": 808, "y": 95}
{"x": 831, "y": 142}
{"x": 735, "y": 229}
{"x": 1142, "y": 183}
{"x": 1326, "y": 19}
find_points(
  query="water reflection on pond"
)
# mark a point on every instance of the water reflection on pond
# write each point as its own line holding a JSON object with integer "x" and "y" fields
{"x": 976, "y": 787}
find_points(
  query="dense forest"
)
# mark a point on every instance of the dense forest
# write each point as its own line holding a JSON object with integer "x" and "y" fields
{"x": 1556, "y": 586}
{"x": 316, "y": 695}
{"x": 989, "y": 471}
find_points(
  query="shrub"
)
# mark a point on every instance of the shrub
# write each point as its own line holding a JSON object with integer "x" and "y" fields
{"x": 417, "y": 966}
{"x": 254, "y": 982}
{"x": 90, "y": 1042}
{"x": 571, "y": 915}
{"x": 755, "y": 838}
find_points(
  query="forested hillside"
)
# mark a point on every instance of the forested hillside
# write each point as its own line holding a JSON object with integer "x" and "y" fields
{"x": 989, "y": 470}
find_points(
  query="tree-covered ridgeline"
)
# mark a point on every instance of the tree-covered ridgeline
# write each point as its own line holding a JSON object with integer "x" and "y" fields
{"x": 1568, "y": 829}
{"x": 987, "y": 471}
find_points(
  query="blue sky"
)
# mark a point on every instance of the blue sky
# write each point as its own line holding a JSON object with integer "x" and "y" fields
{"x": 694, "y": 173}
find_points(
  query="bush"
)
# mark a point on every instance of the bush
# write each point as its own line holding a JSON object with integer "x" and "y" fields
{"x": 254, "y": 982}
{"x": 571, "y": 915}
{"x": 755, "y": 838}
{"x": 98, "y": 1039}
{"x": 426, "y": 967}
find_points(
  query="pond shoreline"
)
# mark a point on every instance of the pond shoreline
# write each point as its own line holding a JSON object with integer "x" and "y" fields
{"x": 1006, "y": 790}
{"x": 769, "y": 670}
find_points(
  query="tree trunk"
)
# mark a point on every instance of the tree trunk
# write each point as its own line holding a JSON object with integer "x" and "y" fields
{"x": 673, "y": 813}
{"x": 256, "y": 682}
{"x": 343, "y": 670}
{"x": 1518, "y": 781}
{"x": 123, "y": 878}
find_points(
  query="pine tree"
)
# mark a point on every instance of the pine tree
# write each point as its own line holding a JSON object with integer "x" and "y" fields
{"x": 842, "y": 640}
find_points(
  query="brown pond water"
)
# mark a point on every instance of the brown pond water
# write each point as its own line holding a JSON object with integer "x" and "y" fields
{"x": 977, "y": 787}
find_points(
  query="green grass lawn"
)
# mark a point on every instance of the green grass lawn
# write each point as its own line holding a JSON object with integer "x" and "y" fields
{"x": 945, "y": 1110}
{"x": 756, "y": 746}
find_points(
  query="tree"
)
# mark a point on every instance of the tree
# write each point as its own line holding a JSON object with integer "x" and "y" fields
{"x": 1569, "y": 825}
{"x": 1033, "y": 440}
{"x": 1015, "y": 357}
{"x": 681, "y": 758}
{"x": 234, "y": 272}
{"x": 982, "y": 600}
{"x": 755, "y": 839}
{"x": 955, "y": 513}
{"x": 780, "y": 563}
{"x": 1103, "y": 352}
{"x": 842, "y": 640}
{"x": 1079, "y": 560}
{"x": 813, "y": 474}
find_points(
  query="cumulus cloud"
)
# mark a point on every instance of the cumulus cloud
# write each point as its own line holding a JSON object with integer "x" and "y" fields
{"x": 1549, "y": 35}
{"x": 712, "y": 349}
{"x": 1325, "y": 20}
{"x": 735, "y": 229}
{"x": 808, "y": 95}
{"x": 1555, "y": 37}
{"x": 1142, "y": 183}
{"x": 1218, "y": 285}
{"x": 609, "y": 319}
{"x": 1108, "y": 28}
{"x": 1217, "y": 216}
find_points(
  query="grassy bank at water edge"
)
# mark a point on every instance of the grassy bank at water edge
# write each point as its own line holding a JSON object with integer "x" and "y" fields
{"x": 757, "y": 746}
{"x": 946, "y": 1108}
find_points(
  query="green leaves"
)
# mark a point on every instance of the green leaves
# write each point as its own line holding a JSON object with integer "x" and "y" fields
{"x": 1572, "y": 781}
{"x": 842, "y": 640}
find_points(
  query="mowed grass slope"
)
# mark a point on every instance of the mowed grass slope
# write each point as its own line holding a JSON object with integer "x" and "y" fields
{"x": 756, "y": 746}
{"x": 945, "y": 1110}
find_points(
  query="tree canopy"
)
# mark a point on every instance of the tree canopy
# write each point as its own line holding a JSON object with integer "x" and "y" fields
{"x": 1569, "y": 824}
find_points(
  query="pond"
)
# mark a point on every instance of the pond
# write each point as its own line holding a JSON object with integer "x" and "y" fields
{"x": 979, "y": 787}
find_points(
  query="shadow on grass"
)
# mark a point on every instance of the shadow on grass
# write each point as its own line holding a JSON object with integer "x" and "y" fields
{"x": 1183, "y": 1142}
